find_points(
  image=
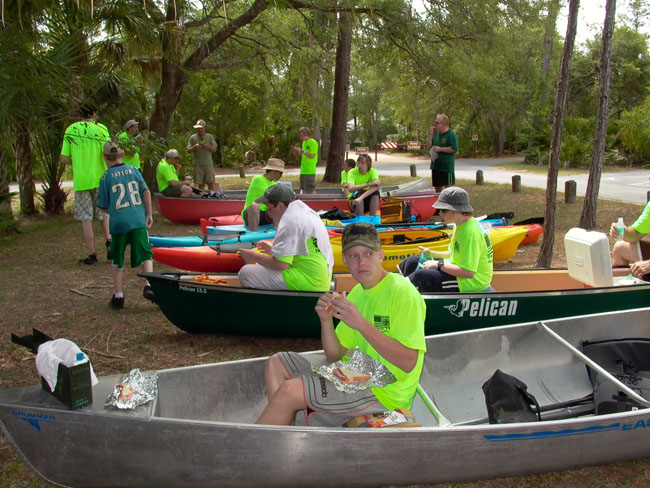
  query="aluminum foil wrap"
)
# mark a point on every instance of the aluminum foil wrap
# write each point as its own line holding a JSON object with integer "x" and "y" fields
{"x": 134, "y": 390}
{"x": 358, "y": 362}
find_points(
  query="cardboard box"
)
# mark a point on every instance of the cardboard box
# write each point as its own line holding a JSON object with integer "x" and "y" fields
{"x": 587, "y": 254}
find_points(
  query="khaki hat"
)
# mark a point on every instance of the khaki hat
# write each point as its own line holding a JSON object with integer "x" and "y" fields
{"x": 453, "y": 198}
{"x": 112, "y": 148}
{"x": 200, "y": 124}
{"x": 172, "y": 153}
{"x": 131, "y": 123}
{"x": 360, "y": 234}
{"x": 277, "y": 193}
{"x": 275, "y": 164}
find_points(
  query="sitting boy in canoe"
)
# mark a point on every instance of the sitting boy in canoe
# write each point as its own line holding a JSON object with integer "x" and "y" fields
{"x": 468, "y": 264}
{"x": 383, "y": 316}
{"x": 632, "y": 250}
{"x": 363, "y": 187}
{"x": 254, "y": 213}
{"x": 300, "y": 257}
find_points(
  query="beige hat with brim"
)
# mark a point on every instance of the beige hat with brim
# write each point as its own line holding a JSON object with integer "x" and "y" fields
{"x": 275, "y": 164}
{"x": 200, "y": 124}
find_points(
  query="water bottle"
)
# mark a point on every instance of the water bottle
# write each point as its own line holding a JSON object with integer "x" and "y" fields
{"x": 620, "y": 228}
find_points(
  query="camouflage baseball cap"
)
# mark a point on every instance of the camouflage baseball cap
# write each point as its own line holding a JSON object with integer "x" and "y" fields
{"x": 360, "y": 234}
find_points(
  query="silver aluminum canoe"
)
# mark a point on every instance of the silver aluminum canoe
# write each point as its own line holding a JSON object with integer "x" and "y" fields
{"x": 199, "y": 432}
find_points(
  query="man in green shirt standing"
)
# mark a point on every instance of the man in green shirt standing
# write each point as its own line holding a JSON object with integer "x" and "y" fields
{"x": 83, "y": 146}
{"x": 308, "y": 160}
{"x": 201, "y": 145}
{"x": 444, "y": 146}
{"x": 128, "y": 143}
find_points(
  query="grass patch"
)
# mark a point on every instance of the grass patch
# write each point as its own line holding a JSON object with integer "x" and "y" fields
{"x": 41, "y": 278}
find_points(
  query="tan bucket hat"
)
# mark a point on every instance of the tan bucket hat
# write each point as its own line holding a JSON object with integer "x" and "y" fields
{"x": 275, "y": 164}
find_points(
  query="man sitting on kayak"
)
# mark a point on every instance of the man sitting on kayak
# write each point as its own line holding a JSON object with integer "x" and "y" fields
{"x": 467, "y": 265}
{"x": 300, "y": 257}
{"x": 383, "y": 316}
{"x": 167, "y": 176}
{"x": 254, "y": 213}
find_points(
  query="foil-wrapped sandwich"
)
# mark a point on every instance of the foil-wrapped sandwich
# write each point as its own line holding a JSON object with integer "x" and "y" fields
{"x": 357, "y": 373}
{"x": 134, "y": 390}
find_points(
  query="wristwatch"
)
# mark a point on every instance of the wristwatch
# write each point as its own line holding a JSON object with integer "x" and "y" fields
{"x": 441, "y": 262}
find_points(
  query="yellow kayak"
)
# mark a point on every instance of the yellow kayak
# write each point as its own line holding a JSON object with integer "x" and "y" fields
{"x": 398, "y": 245}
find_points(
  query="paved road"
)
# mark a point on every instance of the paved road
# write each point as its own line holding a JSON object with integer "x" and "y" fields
{"x": 626, "y": 186}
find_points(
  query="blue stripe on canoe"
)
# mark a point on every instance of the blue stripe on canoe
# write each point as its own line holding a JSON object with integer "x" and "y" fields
{"x": 547, "y": 434}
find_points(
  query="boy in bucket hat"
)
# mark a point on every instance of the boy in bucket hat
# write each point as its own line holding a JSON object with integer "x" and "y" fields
{"x": 123, "y": 191}
{"x": 467, "y": 265}
{"x": 383, "y": 316}
{"x": 300, "y": 257}
{"x": 254, "y": 213}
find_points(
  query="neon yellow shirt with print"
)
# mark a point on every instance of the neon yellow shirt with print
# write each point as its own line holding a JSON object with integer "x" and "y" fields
{"x": 165, "y": 173}
{"x": 83, "y": 142}
{"x": 259, "y": 184}
{"x": 307, "y": 273}
{"x": 344, "y": 177}
{"x": 397, "y": 309}
{"x": 471, "y": 249}
{"x": 127, "y": 143}
{"x": 307, "y": 164}
{"x": 355, "y": 178}
{"x": 642, "y": 224}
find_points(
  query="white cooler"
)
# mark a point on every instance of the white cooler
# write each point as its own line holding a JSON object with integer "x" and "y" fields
{"x": 587, "y": 255}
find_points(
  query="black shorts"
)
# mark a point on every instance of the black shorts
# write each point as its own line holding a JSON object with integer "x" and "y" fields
{"x": 264, "y": 219}
{"x": 366, "y": 201}
{"x": 442, "y": 178}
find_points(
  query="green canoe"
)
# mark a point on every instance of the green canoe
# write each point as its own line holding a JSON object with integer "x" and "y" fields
{"x": 521, "y": 296}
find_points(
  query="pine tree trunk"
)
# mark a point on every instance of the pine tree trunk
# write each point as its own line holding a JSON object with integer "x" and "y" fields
{"x": 341, "y": 96}
{"x": 545, "y": 256}
{"x": 588, "y": 217}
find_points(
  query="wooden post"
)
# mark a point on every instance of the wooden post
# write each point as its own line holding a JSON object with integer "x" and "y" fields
{"x": 479, "y": 176}
{"x": 414, "y": 171}
{"x": 242, "y": 173}
{"x": 516, "y": 184}
{"x": 570, "y": 187}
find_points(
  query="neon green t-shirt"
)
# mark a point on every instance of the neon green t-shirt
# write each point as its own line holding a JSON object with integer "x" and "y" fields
{"x": 165, "y": 173}
{"x": 307, "y": 273}
{"x": 344, "y": 177}
{"x": 642, "y": 224}
{"x": 83, "y": 142}
{"x": 355, "y": 178}
{"x": 396, "y": 308}
{"x": 471, "y": 249}
{"x": 259, "y": 184}
{"x": 127, "y": 143}
{"x": 307, "y": 164}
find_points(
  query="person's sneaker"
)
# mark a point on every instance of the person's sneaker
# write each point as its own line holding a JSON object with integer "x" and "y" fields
{"x": 147, "y": 292}
{"x": 91, "y": 259}
{"x": 108, "y": 250}
{"x": 117, "y": 303}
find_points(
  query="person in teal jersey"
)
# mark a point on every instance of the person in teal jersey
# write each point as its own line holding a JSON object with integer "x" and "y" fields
{"x": 127, "y": 141}
{"x": 308, "y": 160}
{"x": 468, "y": 264}
{"x": 444, "y": 146}
{"x": 363, "y": 185}
{"x": 82, "y": 146}
{"x": 632, "y": 250}
{"x": 254, "y": 213}
{"x": 348, "y": 164}
{"x": 123, "y": 191}
{"x": 383, "y": 316}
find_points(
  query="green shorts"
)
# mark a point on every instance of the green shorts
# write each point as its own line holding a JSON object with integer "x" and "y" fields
{"x": 172, "y": 191}
{"x": 140, "y": 247}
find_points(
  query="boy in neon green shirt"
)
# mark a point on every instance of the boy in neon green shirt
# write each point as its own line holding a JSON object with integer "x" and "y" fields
{"x": 308, "y": 160}
{"x": 363, "y": 185}
{"x": 128, "y": 143}
{"x": 383, "y": 312}
{"x": 254, "y": 213}
{"x": 348, "y": 164}
{"x": 83, "y": 146}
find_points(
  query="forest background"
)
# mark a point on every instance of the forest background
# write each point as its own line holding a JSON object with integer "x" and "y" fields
{"x": 257, "y": 70}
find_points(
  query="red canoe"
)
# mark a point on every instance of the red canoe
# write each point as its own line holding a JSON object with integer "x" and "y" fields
{"x": 199, "y": 258}
{"x": 192, "y": 210}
